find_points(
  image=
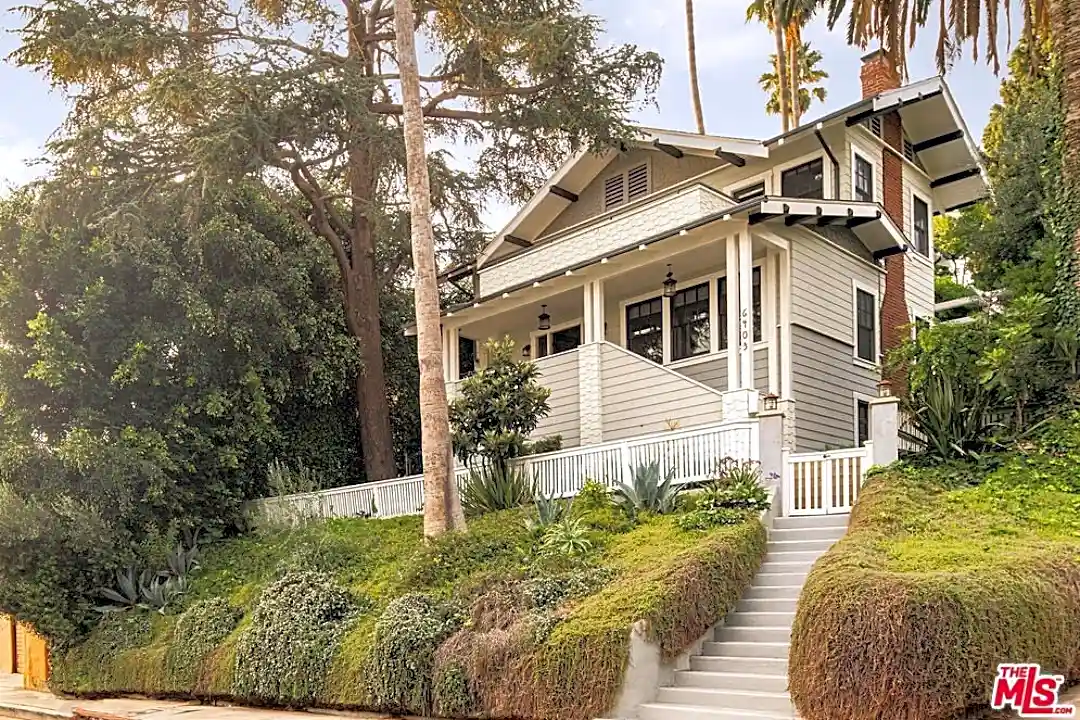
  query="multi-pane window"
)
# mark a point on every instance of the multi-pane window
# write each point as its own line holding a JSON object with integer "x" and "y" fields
{"x": 756, "y": 299}
{"x": 862, "y": 420}
{"x": 645, "y": 329}
{"x": 804, "y": 181}
{"x": 565, "y": 339}
{"x": 920, "y": 214}
{"x": 690, "y": 322}
{"x": 749, "y": 192}
{"x": 467, "y": 357}
{"x": 864, "y": 179}
{"x": 865, "y": 326}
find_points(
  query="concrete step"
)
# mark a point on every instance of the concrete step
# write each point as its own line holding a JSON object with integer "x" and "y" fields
{"x": 760, "y": 666}
{"x": 778, "y": 634}
{"x": 760, "y": 619}
{"x": 783, "y": 578}
{"x": 659, "y": 711}
{"x": 798, "y": 545}
{"x": 768, "y": 605}
{"x": 794, "y": 556}
{"x": 779, "y": 566}
{"x": 727, "y": 699}
{"x": 812, "y": 533}
{"x": 810, "y": 521}
{"x": 746, "y": 649}
{"x": 773, "y": 592}
{"x": 752, "y": 682}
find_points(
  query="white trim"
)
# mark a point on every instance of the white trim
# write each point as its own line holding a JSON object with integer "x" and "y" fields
{"x": 856, "y": 397}
{"x": 786, "y": 390}
{"x": 916, "y": 193}
{"x": 874, "y": 170}
{"x": 770, "y": 316}
{"x": 826, "y": 174}
{"x": 535, "y": 334}
{"x": 855, "y": 287}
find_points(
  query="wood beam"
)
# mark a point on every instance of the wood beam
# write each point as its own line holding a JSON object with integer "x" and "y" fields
{"x": 563, "y": 193}
{"x": 939, "y": 140}
{"x": 867, "y": 114}
{"x": 519, "y": 241}
{"x": 960, "y": 206}
{"x": 669, "y": 149}
{"x": 955, "y": 177}
{"x": 736, "y": 160}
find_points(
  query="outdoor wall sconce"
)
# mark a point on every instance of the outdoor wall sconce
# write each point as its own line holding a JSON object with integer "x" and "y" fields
{"x": 670, "y": 284}
{"x": 526, "y": 352}
{"x": 884, "y": 389}
{"x": 545, "y": 319}
{"x": 770, "y": 401}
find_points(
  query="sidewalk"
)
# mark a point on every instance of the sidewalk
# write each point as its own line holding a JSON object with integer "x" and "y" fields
{"x": 15, "y": 702}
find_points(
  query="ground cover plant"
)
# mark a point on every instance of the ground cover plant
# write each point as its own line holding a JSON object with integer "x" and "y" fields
{"x": 945, "y": 572}
{"x": 527, "y": 615}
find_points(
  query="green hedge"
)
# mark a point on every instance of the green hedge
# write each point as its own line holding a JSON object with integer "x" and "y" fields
{"x": 908, "y": 617}
{"x": 364, "y": 615}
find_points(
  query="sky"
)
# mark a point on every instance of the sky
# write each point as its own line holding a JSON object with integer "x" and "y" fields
{"x": 731, "y": 57}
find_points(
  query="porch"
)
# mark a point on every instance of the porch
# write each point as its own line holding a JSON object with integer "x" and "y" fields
{"x": 669, "y": 336}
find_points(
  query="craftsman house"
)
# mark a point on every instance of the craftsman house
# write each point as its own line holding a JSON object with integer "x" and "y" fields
{"x": 677, "y": 282}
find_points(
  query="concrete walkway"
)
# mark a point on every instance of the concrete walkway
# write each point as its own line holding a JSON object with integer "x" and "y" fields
{"x": 15, "y": 702}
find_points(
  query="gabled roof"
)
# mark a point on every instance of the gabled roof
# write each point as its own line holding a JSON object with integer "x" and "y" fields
{"x": 932, "y": 123}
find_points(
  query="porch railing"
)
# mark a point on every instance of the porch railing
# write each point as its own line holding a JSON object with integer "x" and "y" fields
{"x": 824, "y": 482}
{"x": 692, "y": 454}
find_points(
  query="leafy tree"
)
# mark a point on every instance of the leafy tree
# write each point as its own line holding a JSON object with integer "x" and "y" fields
{"x": 442, "y": 504}
{"x": 181, "y": 94}
{"x": 810, "y": 76}
{"x": 499, "y": 406}
{"x": 147, "y": 378}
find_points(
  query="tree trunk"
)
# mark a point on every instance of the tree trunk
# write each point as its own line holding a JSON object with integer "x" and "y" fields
{"x": 442, "y": 506}
{"x": 781, "y": 67}
{"x": 793, "y": 76}
{"x": 691, "y": 47}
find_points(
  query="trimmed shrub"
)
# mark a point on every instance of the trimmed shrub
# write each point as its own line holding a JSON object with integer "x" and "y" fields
{"x": 89, "y": 667}
{"x": 199, "y": 631}
{"x": 284, "y": 656}
{"x": 401, "y": 664}
{"x": 908, "y": 617}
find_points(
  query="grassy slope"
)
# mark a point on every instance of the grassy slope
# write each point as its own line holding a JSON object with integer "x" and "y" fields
{"x": 937, "y": 582}
{"x": 676, "y": 580}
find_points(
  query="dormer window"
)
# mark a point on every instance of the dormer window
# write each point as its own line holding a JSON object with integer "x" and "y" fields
{"x": 627, "y": 186}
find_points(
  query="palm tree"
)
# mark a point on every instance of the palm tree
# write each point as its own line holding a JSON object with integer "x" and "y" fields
{"x": 771, "y": 14}
{"x": 442, "y": 504}
{"x": 796, "y": 15}
{"x": 809, "y": 76}
{"x": 894, "y": 25}
{"x": 691, "y": 46}
{"x": 786, "y": 19}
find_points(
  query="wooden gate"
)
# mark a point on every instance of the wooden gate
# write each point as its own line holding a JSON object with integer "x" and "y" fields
{"x": 824, "y": 482}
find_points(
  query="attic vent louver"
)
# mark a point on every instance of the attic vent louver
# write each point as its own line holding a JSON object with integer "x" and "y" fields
{"x": 614, "y": 191}
{"x": 626, "y": 186}
{"x": 637, "y": 180}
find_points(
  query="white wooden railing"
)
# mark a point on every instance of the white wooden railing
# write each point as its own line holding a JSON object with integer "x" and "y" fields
{"x": 824, "y": 482}
{"x": 692, "y": 454}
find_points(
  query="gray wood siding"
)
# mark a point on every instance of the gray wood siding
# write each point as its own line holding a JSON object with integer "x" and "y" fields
{"x": 821, "y": 295}
{"x": 638, "y": 397}
{"x": 559, "y": 373}
{"x": 713, "y": 372}
{"x": 825, "y": 381}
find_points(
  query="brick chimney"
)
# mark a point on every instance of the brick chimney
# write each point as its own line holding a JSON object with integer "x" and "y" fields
{"x": 878, "y": 75}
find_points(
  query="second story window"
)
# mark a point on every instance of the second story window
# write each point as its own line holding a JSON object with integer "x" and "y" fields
{"x": 627, "y": 186}
{"x": 920, "y": 220}
{"x": 645, "y": 329}
{"x": 749, "y": 192}
{"x": 804, "y": 181}
{"x": 864, "y": 179}
{"x": 865, "y": 326}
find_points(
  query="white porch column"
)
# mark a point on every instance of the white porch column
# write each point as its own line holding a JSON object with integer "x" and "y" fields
{"x": 786, "y": 390}
{"x": 732, "y": 272}
{"x": 593, "y": 312}
{"x": 771, "y": 321}
{"x": 454, "y": 348}
{"x": 746, "y": 311}
{"x": 445, "y": 353}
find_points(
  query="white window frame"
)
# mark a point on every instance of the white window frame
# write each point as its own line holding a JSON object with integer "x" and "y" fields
{"x": 856, "y": 152}
{"x": 763, "y": 177}
{"x": 535, "y": 335}
{"x": 873, "y": 292}
{"x": 713, "y": 280}
{"x": 856, "y": 398}
{"x": 929, "y": 256}
{"x": 624, "y": 173}
{"x": 826, "y": 173}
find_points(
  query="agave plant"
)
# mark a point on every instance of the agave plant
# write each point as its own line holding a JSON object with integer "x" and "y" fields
{"x": 549, "y": 510}
{"x": 647, "y": 491}
{"x": 497, "y": 487}
{"x": 125, "y": 596}
{"x": 568, "y": 537}
{"x": 952, "y": 419}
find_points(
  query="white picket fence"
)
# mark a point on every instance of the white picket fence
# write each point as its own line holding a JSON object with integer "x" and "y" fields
{"x": 692, "y": 454}
{"x": 823, "y": 483}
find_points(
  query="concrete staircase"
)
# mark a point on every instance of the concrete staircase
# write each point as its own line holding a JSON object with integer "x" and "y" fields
{"x": 742, "y": 673}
